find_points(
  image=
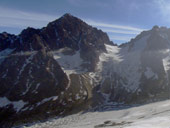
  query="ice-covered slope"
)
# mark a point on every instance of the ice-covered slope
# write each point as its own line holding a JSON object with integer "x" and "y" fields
{"x": 71, "y": 63}
{"x": 154, "y": 115}
{"x": 137, "y": 71}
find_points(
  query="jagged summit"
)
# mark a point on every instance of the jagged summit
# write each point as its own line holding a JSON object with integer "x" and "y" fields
{"x": 156, "y": 27}
{"x": 65, "y": 31}
{"x": 158, "y": 39}
{"x": 67, "y": 15}
{"x": 67, "y": 18}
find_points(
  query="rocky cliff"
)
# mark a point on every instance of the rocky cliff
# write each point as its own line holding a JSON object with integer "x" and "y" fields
{"x": 44, "y": 72}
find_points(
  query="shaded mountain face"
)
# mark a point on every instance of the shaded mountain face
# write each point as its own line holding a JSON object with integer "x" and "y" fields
{"x": 69, "y": 66}
{"x": 45, "y": 72}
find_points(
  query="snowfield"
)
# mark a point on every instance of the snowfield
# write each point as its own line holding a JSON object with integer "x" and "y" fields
{"x": 70, "y": 63}
{"x": 154, "y": 115}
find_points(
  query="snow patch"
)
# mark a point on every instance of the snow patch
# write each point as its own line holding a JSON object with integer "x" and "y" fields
{"x": 28, "y": 60}
{"x": 35, "y": 90}
{"x": 53, "y": 98}
{"x": 166, "y": 63}
{"x": 150, "y": 74}
{"x": 77, "y": 97}
{"x": 112, "y": 52}
{"x": 17, "y": 105}
{"x": 70, "y": 63}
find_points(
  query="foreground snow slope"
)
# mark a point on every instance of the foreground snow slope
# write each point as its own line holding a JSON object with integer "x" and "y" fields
{"x": 154, "y": 115}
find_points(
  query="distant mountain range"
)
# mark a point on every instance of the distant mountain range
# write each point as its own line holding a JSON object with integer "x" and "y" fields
{"x": 69, "y": 66}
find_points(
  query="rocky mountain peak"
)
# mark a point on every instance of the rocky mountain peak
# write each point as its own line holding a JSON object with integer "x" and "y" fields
{"x": 68, "y": 16}
{"x": 161, "y": 28}
{"x": 156, "y": 27}
{"x": 29, "y": 32}
{"x": 158, "y": 38}
{"x": 47, "y": 69}
{"x": 66, "y": 21}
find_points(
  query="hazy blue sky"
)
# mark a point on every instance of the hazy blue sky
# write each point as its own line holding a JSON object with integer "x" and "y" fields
{"x": 121, "y": 19}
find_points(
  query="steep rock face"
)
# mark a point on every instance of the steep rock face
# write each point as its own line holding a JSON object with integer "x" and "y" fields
{"x": 71, "y": 32}
{"x": 45, "y": 72}
{"x": 8, "y": 41}
{"x": 31, "y": 84}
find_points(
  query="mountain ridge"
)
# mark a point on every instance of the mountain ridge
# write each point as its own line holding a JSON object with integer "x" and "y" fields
{"x": 70, "y": 66}
{"x": 32, "y": 76}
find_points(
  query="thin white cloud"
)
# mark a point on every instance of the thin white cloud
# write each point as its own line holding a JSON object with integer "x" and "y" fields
{"x": 20, "y": 23}
{"x": 120, "y": 31}
{"x": 114, "y": 26}
{"x": 20, "y": 19}
{"x": 17, "y": 14}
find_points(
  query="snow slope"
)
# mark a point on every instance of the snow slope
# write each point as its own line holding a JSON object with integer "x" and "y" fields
{"x": 71, "y": 63}
{"x": 129, "y": 68}
{"x": 107, "y": 63}
{"x": 154, "y": 115}
{"x": 126, "y": 63}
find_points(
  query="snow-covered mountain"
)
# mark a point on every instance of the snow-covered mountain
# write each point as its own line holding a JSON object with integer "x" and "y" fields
{"x": 69, "y": 66}
{"x": 139, "y": 70}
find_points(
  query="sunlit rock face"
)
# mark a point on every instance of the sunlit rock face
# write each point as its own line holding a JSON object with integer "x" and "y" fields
{"x": 69, "y": 66}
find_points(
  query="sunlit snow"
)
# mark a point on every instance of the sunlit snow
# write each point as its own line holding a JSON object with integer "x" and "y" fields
{"x": 17, "y": 105}
{"x": 154, "y": 115}
{"x": 70, "y": 63}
